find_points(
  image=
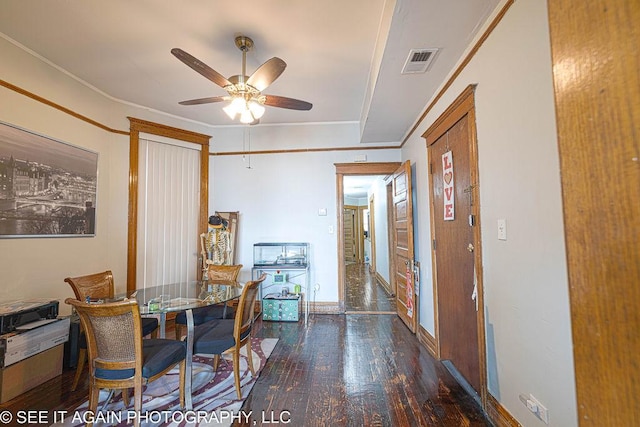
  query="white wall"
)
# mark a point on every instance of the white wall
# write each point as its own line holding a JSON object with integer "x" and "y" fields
{"x": 36, "y": 267}
{"x": 528, "y": 327}
{"x": 279, "y": 197}
{"x": 379, "y": 192}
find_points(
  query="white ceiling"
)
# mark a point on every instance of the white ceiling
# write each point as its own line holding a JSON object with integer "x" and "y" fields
{"x": 358, "y": 185}
{"x": 343, "y": 56}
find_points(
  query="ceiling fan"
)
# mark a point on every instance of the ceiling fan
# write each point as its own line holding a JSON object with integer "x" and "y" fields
{"x": 244, "y": 92}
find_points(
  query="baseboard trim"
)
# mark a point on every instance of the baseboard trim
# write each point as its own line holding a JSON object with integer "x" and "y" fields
{"x": 324, "y": 308}
{"x": 385, "y": 285}
{"x": 498, "y": 415}
{"x": 428, "y": 341}
{"x": 369, "y": 312}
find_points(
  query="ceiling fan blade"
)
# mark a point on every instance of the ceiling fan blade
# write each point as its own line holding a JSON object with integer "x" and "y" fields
{"x": 267, "y": 73}
{"x": 284, "y": 102}
{"x": 204, "y": 100}
{"x": 200, "y": 67}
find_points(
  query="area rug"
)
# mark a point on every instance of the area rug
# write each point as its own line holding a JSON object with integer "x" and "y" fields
{"x": 215, "y": 402}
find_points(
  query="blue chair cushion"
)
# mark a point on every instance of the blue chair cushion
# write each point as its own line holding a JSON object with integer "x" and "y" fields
{"x": 158, "y": 355}
{"x": 205, "y": 314}
{"x": 149, "y": 324}
{"x": 215, "y": 336}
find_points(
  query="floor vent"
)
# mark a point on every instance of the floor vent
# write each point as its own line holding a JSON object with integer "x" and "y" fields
{"x": 419, "y": 61}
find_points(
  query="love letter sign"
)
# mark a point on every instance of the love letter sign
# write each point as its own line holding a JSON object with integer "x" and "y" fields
{"x": 447, "y": 178}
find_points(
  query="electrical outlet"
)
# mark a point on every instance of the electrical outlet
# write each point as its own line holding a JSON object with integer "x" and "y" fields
{"x": 541, "y": 411}
{"x": 502, "y": 229}
{"x": 536, "y": 407}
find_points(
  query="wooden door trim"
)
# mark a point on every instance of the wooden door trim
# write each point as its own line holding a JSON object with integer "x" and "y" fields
{"x": 137, "y": 126}
{"x": 343, "y": 169}
{"x": 463, "y": 105}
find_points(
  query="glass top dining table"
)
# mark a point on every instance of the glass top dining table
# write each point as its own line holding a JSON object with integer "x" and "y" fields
{"x": 162, "y": 299}
{"x": 175, "y": 297}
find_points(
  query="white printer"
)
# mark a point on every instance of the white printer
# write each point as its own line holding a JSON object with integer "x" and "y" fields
{"x": 29, "y": 327}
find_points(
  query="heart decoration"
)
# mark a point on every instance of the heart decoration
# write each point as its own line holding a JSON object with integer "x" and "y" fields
{"x": 448, "y": 177}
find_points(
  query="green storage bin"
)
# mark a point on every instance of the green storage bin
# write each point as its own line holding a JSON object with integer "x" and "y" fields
{"x": 281, "y": 309}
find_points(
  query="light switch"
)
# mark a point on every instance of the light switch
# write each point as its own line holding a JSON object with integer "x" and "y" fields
{"x": 502, "y": 229}
{"x": 322, "y": 212}
{"x": 331, "y": 229}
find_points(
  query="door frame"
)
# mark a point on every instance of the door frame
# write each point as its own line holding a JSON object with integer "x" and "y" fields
{"x": 342, "y": 170}
{"x": 463, "y": 105}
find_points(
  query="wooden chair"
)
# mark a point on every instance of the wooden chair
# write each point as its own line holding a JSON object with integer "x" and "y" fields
{"x": 223, "y": 273}
{"x": 118, "y": 356}
{"x": 99, "y": 286}
{"x": 217, "y": 336}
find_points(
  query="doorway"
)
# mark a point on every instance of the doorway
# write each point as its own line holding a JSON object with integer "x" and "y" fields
{"x": 364, "y": 284}
{"x": 366, "y": 288}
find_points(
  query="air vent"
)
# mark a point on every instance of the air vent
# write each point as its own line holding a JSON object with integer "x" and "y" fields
{"x": 419, "y": 61}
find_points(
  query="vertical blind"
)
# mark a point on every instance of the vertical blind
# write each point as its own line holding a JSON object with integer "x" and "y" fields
{"x": 168, "y": 209}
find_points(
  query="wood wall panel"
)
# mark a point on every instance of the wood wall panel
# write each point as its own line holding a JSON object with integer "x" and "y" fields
{"x": 596, "y": 58}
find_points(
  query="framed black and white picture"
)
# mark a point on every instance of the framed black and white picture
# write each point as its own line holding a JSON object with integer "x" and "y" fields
{"x": 48, "y": 188}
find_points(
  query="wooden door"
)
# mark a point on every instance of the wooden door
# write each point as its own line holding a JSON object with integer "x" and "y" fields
{"x": 453, "y": 194}
{"x": 403, "y": 256}
{"x": 350, "y": 243}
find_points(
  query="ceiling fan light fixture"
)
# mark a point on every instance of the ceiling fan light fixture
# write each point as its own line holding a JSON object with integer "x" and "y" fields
{"x": 235, "y": 107}
{"x": 245, "y": 92}
{"x": 257, "y": 110}
{"x": 246, "y": 117}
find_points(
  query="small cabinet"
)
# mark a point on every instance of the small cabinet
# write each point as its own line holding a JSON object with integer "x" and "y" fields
{"x": 281, "y": 308}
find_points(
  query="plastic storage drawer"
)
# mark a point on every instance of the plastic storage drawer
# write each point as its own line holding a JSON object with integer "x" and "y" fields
{"x": 281, "y": 309}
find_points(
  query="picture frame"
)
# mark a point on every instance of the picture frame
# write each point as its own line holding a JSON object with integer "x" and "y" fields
{"x": 48, "y": 188}
{"x": 232, "y": 226}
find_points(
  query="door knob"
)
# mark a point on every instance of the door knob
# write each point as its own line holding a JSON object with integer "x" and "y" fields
{"x": 470, "y": 248}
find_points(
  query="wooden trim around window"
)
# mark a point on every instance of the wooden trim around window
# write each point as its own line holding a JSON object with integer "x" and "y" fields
{"x": 137, "y": 126}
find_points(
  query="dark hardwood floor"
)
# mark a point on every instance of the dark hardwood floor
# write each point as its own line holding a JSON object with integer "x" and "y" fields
{"x": 363, "y": 293}
{"x": 356, "y": 370}
{"x": 346, "y": 370}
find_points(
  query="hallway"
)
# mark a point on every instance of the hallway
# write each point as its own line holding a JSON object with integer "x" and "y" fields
{"x": 356, "y": 370}
{"x": 363, "y": 293}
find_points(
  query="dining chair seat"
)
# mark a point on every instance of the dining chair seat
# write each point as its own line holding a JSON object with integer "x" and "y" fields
{"x": 218, "y": 336}
{"x": 214, "y": 337}
{"x": 205, "y": 314}
{"x": 224, "y": 273}
{"x": 158, "y": 353}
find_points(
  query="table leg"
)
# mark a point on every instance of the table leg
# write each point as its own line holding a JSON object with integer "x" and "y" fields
{"x": 189, "y": 361}
{"x": 163, "y": 324}
{"x": 224, "y": 311}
